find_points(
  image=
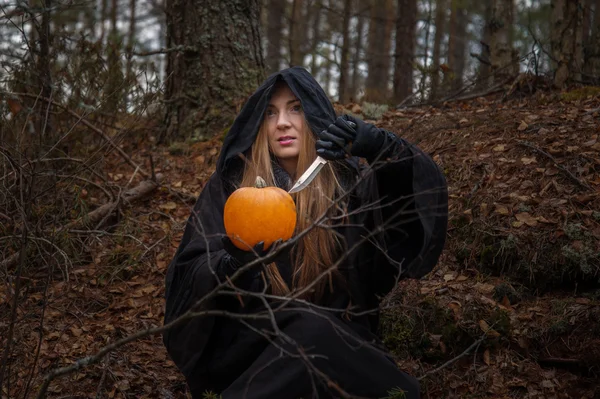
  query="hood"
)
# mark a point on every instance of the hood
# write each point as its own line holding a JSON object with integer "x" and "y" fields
{"x": 317, "y": 108}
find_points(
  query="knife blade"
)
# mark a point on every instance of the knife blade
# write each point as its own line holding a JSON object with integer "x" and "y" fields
{"x": 308, "y": 175}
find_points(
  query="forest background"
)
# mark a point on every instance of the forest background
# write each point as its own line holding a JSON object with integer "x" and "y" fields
{"x": 112, "y": 114}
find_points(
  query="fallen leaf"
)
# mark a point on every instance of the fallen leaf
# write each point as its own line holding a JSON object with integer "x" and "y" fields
{"x": 501, "y": 209}
{"x": 484, "y": 288}
{"x": 499, "y": 148}
{"x": 486, "y": 357}
{"x": 526, "y": 218}
{"x": 522, "y": 126}
{"x": 168, "y": 205}
{"x": 528, "y": 161}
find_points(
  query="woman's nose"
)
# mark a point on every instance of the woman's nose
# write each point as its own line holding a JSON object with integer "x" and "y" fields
{"x": 283, "y": 120}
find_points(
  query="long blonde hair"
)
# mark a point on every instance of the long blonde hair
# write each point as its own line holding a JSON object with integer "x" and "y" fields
{"x": 316, "y": 251}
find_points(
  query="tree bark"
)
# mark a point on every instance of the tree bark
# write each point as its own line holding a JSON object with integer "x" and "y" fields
{"x": 297, "y": 34}
{"x": 44, "y": 73}
{"x": 131, "y": 41}
{"x": 592, "y": 50}
{"x": 406, "y": 21}
{"x": 219, "y": 66}
{"x": 316, "y": 36}
{"x": 356, "y": 55}
{"x": 380, "y": 26}
{"x": 276, "y": 12}
{"x": 484, "y": 69}
{"x": 343, "y": 92}
{"x": 502, "y": 54}
{"x": 440, "y": 19}
{"x": 456, "y": 46}
{"x": 566, "y": 41}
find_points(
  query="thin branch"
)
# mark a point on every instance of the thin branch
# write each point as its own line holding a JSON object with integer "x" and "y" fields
{"x": 559, "y": 166}
{"x": 449, "y": 362}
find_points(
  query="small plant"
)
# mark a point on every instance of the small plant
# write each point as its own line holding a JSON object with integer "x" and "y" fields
{"x": 395, "y": 393}
{"x": 374, "y": 111}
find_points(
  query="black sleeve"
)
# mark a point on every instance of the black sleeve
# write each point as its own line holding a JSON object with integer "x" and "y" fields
{"x": 414, "y": 212}
{"x": 198, "y": 265}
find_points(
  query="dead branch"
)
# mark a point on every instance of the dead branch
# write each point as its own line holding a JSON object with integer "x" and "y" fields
{"x": 129, "y": 196}
{"x": 559, "y": 166}
{"x": 140, "y": 191}
{"x": 94, "y": 129}
{"x": 449, "y": 362}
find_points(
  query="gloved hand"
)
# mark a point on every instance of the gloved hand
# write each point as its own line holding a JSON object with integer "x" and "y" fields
{"x": 349, "y": 135}
{"x": 237, "y": 258}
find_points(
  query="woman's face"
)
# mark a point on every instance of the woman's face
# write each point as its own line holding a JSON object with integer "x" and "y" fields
{"x": 285, "y": 127}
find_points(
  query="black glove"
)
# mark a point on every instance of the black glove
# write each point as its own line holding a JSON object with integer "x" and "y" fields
{"x": 237, "y": 258}
{"x": 352, "y": 136}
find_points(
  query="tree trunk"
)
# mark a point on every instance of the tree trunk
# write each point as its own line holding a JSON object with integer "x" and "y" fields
{"x": 566, "y": 35}
{"x": 502, "y": 55}
{"x": 343, "y": 92}
{"x": 380, "y": 26}
{"x": 43, "y": 70}
{"x": 276, "y": 12}
{"x": 440, "y": 19}
{"x": 484, "y": 68}
{"x": 131, "y": 42}
{"x": 297, "y": 34}
{"x": 219, "y": 66}
{"x": 592, "y": 50}
{"x": 114, "y": 84}
{"x": 103, "y": 8}
{"x": 316, "y": 37}
{"x": 406, "y": 21}
{"x": 356, "y": 55}
{"x": 456, "y": 46}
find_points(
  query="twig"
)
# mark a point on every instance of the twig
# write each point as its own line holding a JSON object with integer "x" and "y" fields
{"x": 449, "y": 362}
{"x": 99, "y": 132}
{"x": 559, "y": 166}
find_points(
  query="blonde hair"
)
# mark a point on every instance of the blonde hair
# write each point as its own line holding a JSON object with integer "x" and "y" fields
{"x": 316, "y": 251}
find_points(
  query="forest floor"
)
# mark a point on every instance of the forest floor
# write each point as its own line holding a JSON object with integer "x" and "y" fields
{"x": 512, "y": 310}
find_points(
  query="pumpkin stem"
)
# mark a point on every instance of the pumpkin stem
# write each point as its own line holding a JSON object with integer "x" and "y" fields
{"x": 260, "y": 182}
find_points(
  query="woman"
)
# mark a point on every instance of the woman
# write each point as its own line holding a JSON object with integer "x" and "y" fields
{"x": 386, "y": 220}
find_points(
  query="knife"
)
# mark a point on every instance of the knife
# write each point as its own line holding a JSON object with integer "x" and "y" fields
{"x": 314, "y": 169}
{"x": 308, "y": 175}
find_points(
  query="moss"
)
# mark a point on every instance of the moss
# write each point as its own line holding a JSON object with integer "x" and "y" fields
{"x": 581, "y": 93}
{"x": 179, "y": 148}
{"x": 506, "y": 290}
{"x": 374, "y": 111}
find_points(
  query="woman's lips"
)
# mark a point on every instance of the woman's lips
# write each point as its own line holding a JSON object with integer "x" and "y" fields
{"x": 286, "y": 140}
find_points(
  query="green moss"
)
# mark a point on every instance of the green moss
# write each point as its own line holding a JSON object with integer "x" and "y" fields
{"x": 179, "y": 148}
{"x": 581, "y": 93}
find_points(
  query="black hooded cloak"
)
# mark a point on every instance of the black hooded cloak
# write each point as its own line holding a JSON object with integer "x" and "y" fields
{"x": 223, "y": 355}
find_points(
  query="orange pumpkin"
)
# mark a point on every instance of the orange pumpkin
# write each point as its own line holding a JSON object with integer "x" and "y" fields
{"x": 259, "y": 213}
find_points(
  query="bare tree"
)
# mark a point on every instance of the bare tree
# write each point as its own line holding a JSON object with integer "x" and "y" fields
{"x": 440, "y": 19}
{"x": 380, "y": 27}
{"x": 276, "y": 13}
{"x": 566, "y": 40}
{"x": 592, "y": 48}
{"x": 456, "y": 45}
{"x": 343, "y": 91}
{"x": 502, "y": 55}
{"x": 219, "y": 65}
{"x": 356, "y": 54}
{"x": 316, "y": 36}
{"x": 297, "y": 34}
{"x": 406, "y": 21}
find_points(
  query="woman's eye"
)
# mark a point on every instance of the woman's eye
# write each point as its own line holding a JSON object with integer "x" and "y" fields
{"x": 269, "y": 112}
{"x": 296, "y": 108}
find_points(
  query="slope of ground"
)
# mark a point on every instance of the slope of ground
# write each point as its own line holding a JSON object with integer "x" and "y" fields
{"x": 517, "y": 283}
